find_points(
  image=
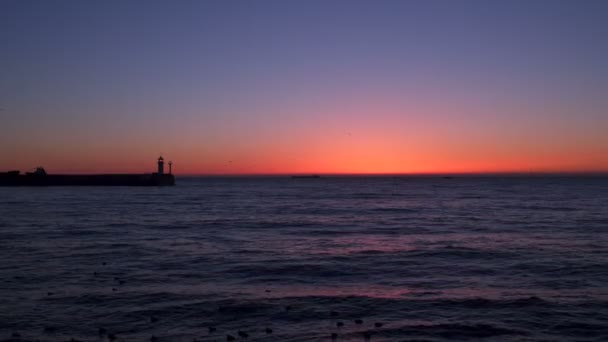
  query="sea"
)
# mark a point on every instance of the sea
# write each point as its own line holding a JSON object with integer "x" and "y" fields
{"x": 390, "y": 258}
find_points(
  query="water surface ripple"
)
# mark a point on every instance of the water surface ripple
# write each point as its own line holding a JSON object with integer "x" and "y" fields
{"x": 432, "y": 259}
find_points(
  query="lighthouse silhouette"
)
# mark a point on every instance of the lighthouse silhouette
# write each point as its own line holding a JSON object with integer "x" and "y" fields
{"x": 161, "y": 165}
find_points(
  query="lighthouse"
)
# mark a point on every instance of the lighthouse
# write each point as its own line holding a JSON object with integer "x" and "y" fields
{"x": 161, "y": 165}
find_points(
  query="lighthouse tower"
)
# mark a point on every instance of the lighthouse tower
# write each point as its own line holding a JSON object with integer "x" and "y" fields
{"x": 161, "y": 165}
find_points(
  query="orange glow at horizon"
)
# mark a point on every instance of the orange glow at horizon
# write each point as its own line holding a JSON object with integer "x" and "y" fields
{"x": 334, "y": 161}
{"x": 370, "y": 139}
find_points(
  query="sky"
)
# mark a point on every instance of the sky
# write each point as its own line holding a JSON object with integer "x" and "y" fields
{"x": 283, "y": 87}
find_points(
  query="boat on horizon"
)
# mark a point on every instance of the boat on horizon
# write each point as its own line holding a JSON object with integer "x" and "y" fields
{"x": 305, "y": 176}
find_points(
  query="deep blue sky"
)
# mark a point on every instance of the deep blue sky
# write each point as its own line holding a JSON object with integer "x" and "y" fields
{"x": 282, "y": 81}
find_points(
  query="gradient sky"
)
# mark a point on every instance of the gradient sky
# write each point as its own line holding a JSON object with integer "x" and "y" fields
{"x": 304, "y": 86}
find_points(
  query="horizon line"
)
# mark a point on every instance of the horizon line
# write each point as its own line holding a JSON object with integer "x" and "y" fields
{"x": 403, "y": 174}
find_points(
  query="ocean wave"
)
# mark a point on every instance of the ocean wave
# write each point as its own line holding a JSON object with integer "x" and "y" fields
{"x": 435, "y": 260}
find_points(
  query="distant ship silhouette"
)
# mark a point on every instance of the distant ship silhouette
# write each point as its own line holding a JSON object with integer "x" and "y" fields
{"x": 306, "y": 176}
{"x": 41, "y": 178}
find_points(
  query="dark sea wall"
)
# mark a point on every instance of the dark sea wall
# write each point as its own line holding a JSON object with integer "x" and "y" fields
{"x": 87, "y": 180}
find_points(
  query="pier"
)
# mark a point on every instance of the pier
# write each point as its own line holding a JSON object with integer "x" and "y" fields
{"x": 41, "y": 178}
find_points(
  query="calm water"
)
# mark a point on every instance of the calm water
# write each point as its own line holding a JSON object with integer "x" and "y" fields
{"x": 500, "y": 259}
